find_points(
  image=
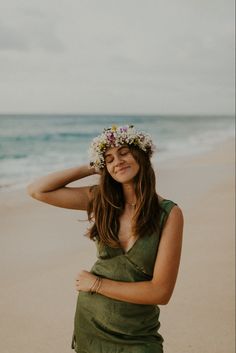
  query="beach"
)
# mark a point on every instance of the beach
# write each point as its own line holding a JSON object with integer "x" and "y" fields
{"x": 44, "y": 247}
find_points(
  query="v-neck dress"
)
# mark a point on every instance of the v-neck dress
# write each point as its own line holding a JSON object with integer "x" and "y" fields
{"x": 106, "y": 325}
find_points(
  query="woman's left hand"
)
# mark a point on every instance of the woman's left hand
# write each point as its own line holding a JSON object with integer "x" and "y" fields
{"x": 84, "y": 281}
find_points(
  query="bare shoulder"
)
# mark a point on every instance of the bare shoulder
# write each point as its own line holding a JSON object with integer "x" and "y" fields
{"x": 176, "y": 213}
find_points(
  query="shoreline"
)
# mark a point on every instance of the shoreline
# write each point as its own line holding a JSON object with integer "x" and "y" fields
{"x": 162, "y": 164}
{"x": 43, "y": 247}
{"x": 25, "y": 171}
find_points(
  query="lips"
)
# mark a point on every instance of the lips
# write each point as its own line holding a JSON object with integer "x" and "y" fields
{"x": 122, "y": 169}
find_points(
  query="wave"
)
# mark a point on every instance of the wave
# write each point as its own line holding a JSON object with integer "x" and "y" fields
{"x": 37, "y": 144}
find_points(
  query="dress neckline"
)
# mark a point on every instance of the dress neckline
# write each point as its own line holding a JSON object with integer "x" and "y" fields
{"x": 124, "y": 252}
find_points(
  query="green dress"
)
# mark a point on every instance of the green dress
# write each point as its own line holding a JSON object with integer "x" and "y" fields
{"x": 106, "y": 325}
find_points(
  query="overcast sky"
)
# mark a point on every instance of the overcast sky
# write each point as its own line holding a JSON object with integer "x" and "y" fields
{"x": 123, "y": 56}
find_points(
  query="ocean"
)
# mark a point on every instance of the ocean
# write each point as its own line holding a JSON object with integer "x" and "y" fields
{"x": 37, "y": 144}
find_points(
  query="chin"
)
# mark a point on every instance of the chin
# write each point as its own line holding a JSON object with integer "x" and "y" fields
{"x": 124, "y": 180}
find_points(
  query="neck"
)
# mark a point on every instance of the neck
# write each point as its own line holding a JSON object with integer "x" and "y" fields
{"x": 129, "y": 194}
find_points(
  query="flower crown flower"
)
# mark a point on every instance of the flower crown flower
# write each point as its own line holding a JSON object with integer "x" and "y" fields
{"x": 117, "y": 136}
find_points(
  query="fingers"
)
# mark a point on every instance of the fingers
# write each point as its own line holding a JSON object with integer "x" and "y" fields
{"x": 84, "y": 280}
{"x": 77, "y": 282}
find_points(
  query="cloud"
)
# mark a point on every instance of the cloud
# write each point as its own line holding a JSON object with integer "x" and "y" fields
{"x": 117, "y": 55}
{"x": 10, "y": 39}
{"x": 30, "y": 31}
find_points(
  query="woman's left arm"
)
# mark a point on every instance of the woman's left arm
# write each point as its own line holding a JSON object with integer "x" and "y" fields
{"x": 159, "y": 289}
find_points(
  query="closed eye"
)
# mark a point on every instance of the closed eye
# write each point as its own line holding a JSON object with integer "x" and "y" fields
{"x": 108, "y": 159}
{"x": 122, "y": 152}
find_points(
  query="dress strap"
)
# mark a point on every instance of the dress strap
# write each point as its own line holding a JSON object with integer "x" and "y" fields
{"x": 166, "y": 206}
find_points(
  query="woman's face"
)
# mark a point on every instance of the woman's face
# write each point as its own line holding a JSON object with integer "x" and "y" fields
{"x": 121, "y": 164}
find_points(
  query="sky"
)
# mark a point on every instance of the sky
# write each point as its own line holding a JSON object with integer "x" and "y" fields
{"x": 117, "y": 57}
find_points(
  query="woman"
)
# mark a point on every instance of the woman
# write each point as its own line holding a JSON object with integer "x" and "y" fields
{"x": 138, "y": 235}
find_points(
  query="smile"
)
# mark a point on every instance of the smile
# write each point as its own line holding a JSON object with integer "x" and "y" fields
{"x": 122, "y": 169}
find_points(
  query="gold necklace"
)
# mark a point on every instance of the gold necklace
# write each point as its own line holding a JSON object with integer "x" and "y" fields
{"x": 131, "y": 204}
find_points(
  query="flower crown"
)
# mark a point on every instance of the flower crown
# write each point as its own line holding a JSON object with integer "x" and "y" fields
{"x": 116, "y": 136}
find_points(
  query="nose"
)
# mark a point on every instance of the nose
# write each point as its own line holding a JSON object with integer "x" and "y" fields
{"x": 118, "y": 160}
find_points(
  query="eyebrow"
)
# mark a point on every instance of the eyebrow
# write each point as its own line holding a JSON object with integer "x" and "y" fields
{"x": 109, "y": 154}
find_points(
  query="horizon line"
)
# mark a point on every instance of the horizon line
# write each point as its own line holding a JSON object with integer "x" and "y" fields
{"x": 117, "y": 114}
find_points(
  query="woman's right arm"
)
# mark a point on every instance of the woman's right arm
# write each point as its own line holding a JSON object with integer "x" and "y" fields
{"x": 52, "y": 188}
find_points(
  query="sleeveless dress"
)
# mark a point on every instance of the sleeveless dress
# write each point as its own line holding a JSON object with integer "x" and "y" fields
{"x": 106, "y": 325}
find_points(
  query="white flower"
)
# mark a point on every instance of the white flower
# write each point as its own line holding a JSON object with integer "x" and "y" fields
{"x": 116, "y": 136}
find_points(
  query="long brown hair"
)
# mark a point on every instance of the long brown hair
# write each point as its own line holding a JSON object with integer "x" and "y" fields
{"x": 108, "y": 203}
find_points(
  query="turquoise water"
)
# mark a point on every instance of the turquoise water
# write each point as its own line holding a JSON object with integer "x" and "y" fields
{"x": 32, "y": 145}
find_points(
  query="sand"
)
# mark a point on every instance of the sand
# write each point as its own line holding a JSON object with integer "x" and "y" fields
{"x": 42, "y": 248}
